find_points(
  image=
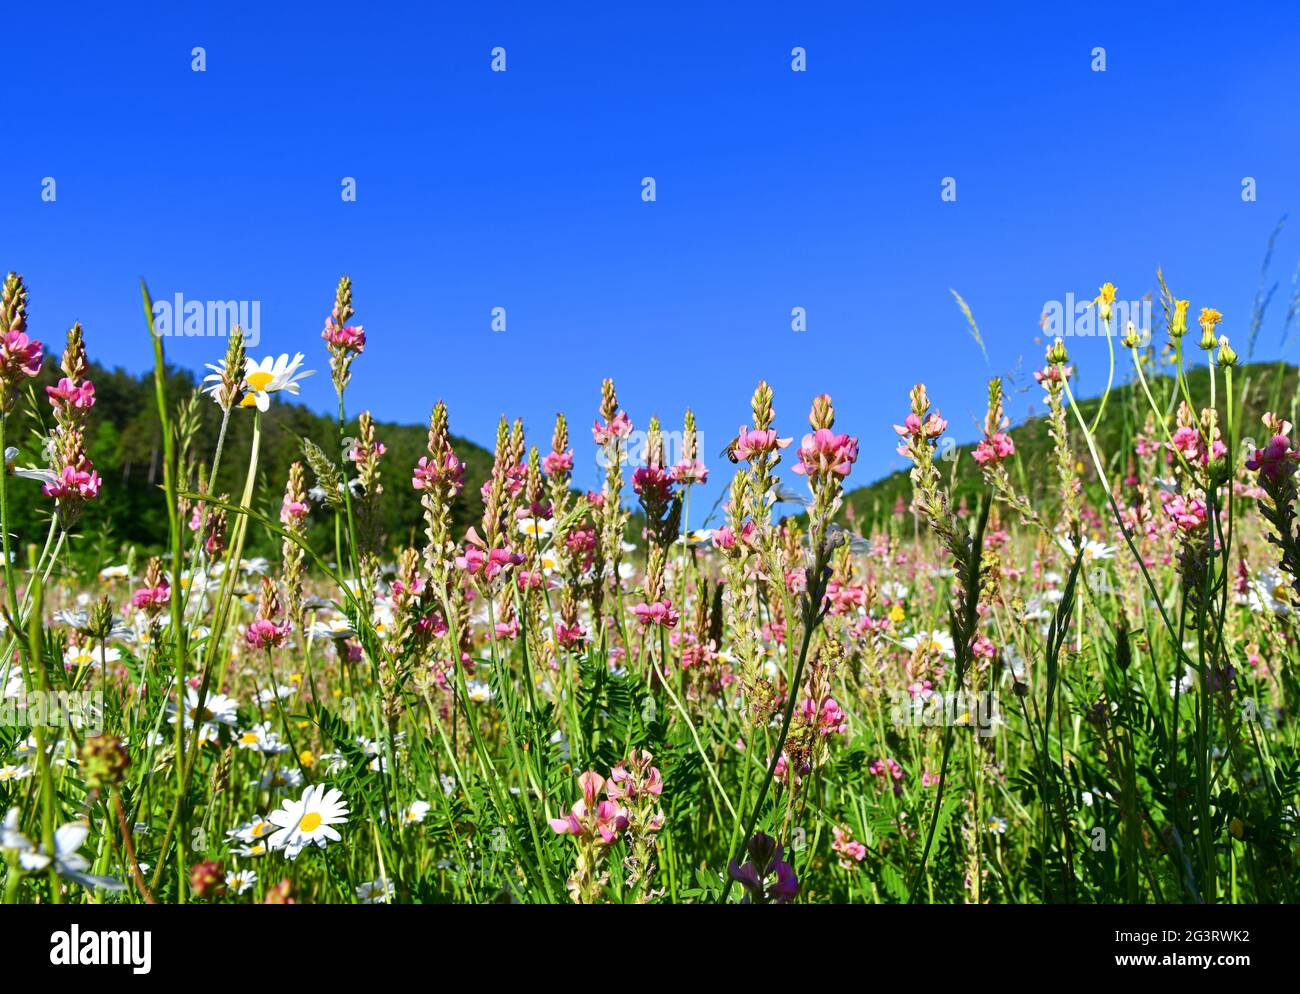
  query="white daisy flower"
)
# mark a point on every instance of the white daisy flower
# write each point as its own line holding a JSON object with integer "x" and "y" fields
{"x": 68, "y": 862}
{"x": 261, "y": 739}
{"x": 1093, "y": 550}
{"x": 415, "y": 812}
{"x": 240, "y": 881}
{"x": 86, "y": 655}
{"x": 281, "y": 779}
{"x": 936, "y": 641}
{"x": 252, "y": 831}
{"x": 537, "y": 528}
{"x": 374, "y": 891}
{"x": 272, "y": 375}
{"x": 217, "y": 708}
{"x": 308, "y": 821}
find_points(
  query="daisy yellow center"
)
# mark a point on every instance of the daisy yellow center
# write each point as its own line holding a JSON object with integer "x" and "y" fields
{"x": 260, "y": 829}
{"x": 248, "y": 738}
{"x": 259, "y": 380}
{"x": 310, "y": 822}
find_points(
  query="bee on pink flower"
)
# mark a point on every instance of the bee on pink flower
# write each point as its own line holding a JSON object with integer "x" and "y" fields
{"x": 751, "y": 442}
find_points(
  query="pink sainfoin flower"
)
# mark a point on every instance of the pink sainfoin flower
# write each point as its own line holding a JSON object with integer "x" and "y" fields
{"x": 752, "y": 442}
{"x": 557, "y": 462}
{"x": 74, "y": 483}
{"x": 826, "y": 453}
{"x": 659, "y": 613}
{"x": 1188, "y": 514}
{"x": 1053, "y": 373}
{"x": 849, "y": 850}
{"x": 20, "y": 356}
{"x": 887, "y": 769}
{"x": 152, "y": 598}
{"x": 829, "y": 721}
{"x": 1276, "y": 460}
{"x": 922, "y": 432}
{"x": 569, "y": 635}
{"x": 293, "y": 512}
{"x": 1188, "y": 440}
{"x": 641, "y": 781}
{"x": 346, "y": 338}
{"x": 489, "y": 563}
{"x": 428, "y": 474}
{"x": 77, "y": 396}
{"x": 690, "y": 471}
{"x": 618, "y": 427}
{"x": 590, "y": 818}
{"x": 653, "y": 483}
{"x": 266, "y": 634}
{"x": 358, "y": 452}
{"x": 994, "y": 449}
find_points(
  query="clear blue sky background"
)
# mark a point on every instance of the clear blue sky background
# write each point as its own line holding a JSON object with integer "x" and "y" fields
{"x": 522, "y": 190}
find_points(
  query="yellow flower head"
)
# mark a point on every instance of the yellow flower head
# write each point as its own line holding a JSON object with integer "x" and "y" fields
{"x": 1178, "y": 323}
{"x": 1105, "y": 298}
{"x": 1209, "y": 320}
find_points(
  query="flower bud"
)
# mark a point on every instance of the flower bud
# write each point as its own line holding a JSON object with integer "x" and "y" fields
{"x": 104, "y": 760}
{"x": 1227, "y": 355}
{"x": 207, "y": 879}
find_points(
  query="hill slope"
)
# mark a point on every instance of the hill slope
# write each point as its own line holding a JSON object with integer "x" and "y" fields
{"x": 1264, "y": 386}
{"x": 125, "y": 443}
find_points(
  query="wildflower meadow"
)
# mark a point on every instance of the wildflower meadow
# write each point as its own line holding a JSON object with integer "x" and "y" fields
{"x": 1057, "y": 666}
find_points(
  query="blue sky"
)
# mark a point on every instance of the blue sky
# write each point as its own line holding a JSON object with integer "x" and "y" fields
{"x": 522, "y": 190}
